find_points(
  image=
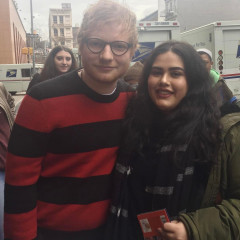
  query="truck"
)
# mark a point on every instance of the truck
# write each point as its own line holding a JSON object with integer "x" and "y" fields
{"x": 222, "y": 38}
{"x": 153, "y": 33}
{"x": 16, "y": 77}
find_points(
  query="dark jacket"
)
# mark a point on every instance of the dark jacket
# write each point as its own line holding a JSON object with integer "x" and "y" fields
{"x": 219, "y": 215}
{"x": 221, "y": 220}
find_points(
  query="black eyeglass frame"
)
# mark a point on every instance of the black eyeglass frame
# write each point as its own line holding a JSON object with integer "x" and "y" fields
{"x": 129, "y": 45}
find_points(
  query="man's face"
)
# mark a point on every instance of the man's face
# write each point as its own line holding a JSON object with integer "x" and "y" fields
{"x": 207, "y": 61}
{"x": 102, "y": 70}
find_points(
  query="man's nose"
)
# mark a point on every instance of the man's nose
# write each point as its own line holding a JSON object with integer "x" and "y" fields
{"x": 106, "y": 53}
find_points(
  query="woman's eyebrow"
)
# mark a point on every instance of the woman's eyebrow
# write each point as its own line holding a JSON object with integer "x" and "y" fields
{"x": 177, "y": 68}
{"x": 171, "y": 68}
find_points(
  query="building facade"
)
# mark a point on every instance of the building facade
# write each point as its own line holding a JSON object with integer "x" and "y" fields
{"x": 60, "y": 26}
{"x": 195, "y": 13}
{"x": 13, "y": 34}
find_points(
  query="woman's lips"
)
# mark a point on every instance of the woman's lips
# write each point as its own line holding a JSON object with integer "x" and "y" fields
{"x": 164, "y": 93}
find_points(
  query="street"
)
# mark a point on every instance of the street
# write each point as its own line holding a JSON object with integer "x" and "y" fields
{"x": 18, "y": 97}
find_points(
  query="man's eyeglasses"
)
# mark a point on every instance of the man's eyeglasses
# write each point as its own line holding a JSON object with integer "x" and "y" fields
{"x": 96, "y": 45}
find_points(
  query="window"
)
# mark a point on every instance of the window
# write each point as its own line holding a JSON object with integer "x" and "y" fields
{"x": 11, "y": 73}
{"x": 55, "y": 32}
{"x": 55, "y": 19}
{"x": 26, "y": 72}
{"x": 62, "y": 43}
{"x": 61, "y": 19}
{"x": 61, "y": 32}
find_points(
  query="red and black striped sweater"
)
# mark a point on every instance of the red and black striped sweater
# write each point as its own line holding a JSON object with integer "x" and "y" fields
{"x": 61, "y": 155}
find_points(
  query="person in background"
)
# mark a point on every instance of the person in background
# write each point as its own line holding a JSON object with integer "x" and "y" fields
{"x": 176, "y": 153}
{"x": 7, "y": 112}
{"x": 206, "y": 56}
{"x": 60, "y": 60}
{"x": 66, "y": 136}
{"x": 222, "y": 92}
{"x": 133, "y": 74}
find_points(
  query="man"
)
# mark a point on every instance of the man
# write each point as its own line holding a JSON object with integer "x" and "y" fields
{"x": 65, "y": 139}
{"x": 222, "y": 92}
{"x": 206, "y": 56}
{"x": 7, "y": 109}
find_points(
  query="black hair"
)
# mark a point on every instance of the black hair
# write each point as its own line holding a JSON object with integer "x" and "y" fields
{"x": 195, "y": 120}
{"x": 49, "y": 70}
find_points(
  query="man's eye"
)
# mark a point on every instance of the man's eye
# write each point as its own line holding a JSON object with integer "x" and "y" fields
{"x": 96, "y": 44}
{"x": 120, "y": 46}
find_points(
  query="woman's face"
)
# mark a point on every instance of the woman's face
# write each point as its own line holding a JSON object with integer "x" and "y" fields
{"x": 167, "y": 84}
{"x": 63, "y": 61}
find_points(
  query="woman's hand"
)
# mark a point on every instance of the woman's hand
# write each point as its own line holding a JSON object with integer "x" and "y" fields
{"x": 173, "y": 231}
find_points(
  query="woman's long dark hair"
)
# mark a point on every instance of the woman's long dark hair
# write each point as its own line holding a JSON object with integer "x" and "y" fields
{"x": 49, "y": 70}
{"x": 195, "y": 120}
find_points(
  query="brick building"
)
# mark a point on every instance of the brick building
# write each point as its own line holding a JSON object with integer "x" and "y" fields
{"x": 60, "y": 26}
{"x": 13, "y": 34}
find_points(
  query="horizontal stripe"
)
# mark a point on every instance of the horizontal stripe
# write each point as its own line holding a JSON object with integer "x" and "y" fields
{"x": 32, "y": 115}
{"x": 85, "y": 138}
{"x": 22, "y": 171}
{"x": 160, "y": 190}
{"x": 70, "y": 84}
{"x": 230, "y": 75}
{"x": 180, "y": 177}
{"x": 20, "y": 199}
{"x": 80, "y": 165}
{"x": 188, "y": 171}
{"x": 50, "y": 113}
{"x": 80, "y": 110}
{"x": 93, "y": 234}
{"x": 123, "y": 169}
{"x": 72, "y": 217}
{"x": 27, "y": 143}
{"x": 20, "y": 226}
{"x": 73, "y": 190}
{"x": 168, "y": 148}
{"x": 15, "y": 80}
{"x": 119, "y": 211}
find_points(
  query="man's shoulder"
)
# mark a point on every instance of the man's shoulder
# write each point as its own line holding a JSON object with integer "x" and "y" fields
{"x": 59, "y": 86}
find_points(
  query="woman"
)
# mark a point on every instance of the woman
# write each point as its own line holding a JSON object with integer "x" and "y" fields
{"x": 59, "y": 61}
{"x": 176, "y": 154}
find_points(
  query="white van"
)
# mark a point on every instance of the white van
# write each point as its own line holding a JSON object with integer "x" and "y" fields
{"x": 16, "y": 77}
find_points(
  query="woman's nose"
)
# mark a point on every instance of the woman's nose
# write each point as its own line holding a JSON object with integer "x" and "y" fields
{"x": 164, "y": 79}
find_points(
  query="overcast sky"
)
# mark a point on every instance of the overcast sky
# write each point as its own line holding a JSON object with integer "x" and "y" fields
{"x": 41, "y": 11}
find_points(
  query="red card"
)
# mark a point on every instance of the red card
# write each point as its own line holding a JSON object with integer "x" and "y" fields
{"x": 151, "y": 221}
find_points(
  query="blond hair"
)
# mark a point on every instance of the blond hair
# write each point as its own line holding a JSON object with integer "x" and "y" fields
{"x": 104, "y": 12}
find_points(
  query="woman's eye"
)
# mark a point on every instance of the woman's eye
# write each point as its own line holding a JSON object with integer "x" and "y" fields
{"x": 68, "y": 58}
{"x": 176, "y": 74}
{"x": 156, "y": 72}
{"x": 59, "y": 58}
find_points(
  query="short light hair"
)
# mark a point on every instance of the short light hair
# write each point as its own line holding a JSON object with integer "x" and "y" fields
{"x": 104, "y": 12}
